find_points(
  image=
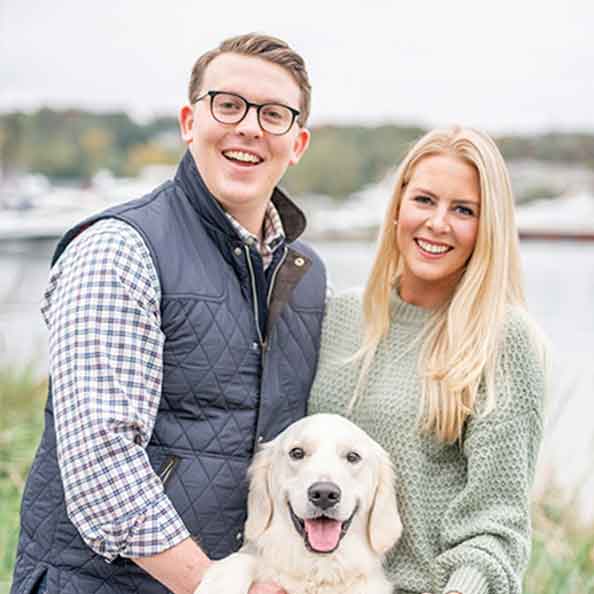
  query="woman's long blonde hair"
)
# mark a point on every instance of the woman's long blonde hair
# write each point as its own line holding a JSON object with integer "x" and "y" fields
{"x": 460, "y": 343}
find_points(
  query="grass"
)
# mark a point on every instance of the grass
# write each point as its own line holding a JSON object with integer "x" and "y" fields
{"x": 562, "y": 559}
{"x": 22, "y": 398}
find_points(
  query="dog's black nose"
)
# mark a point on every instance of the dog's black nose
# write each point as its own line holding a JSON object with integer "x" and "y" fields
{"x": 324, "y": 494}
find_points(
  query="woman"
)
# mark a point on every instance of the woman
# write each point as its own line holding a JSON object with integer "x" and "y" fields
{"x": 439, "y": 362}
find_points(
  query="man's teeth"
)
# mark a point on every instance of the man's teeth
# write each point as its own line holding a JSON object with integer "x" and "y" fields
{"x": 432, "y": 248}
{"x": 241, "y": 156}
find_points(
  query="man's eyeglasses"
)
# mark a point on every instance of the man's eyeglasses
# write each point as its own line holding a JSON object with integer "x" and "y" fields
{"x": 229, "y": 108}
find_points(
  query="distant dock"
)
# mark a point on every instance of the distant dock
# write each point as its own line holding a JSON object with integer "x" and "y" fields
{"x": 550, "y": 235}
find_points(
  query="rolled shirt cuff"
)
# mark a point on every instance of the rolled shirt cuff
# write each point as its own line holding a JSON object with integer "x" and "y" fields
{"x": 467, "y": 580}
{"x": 159, "y": 529}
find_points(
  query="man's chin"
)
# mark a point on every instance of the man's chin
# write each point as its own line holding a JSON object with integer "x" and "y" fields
{"x": 235, "y": 197}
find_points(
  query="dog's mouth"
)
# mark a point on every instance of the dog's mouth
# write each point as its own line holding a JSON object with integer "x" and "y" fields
{"x": 321, "y": 534}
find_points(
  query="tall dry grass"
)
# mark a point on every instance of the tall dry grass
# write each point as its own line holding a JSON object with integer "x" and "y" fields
{"x": 562, "y": 560}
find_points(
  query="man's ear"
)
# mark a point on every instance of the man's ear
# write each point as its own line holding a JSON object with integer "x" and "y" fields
{"x": 300, "y": 145}
{"x": 186, "y": 123}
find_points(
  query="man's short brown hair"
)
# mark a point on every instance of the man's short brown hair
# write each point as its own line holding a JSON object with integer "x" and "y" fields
{"x": 260, "y": 46}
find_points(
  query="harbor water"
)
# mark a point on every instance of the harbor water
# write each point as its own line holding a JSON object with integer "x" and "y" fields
{"x": 560, "y": 292}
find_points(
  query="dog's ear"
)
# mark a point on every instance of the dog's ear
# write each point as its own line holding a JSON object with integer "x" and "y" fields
{"x": 259, "y": 504}
{"x": 384, "y": 526}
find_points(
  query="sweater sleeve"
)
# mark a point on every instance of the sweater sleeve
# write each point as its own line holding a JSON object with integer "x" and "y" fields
{"x": 485, "y": 533}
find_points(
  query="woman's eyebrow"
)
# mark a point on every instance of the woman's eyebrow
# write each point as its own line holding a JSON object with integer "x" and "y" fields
{"x": 420, "y": 190}
{"x": 464, "y": 201}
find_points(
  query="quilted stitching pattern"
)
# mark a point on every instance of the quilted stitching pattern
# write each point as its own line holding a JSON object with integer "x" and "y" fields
{"x": 215, "y": 398}
{"x": 210, "y": 415}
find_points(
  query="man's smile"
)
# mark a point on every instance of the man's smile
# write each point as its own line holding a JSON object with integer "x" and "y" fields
{"x": 242, "y": 156}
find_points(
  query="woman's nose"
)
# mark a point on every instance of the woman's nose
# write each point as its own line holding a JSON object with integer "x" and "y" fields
{"x": 439, "y": 221}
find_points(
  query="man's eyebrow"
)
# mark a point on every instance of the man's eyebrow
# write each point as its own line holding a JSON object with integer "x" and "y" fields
{"x": 420, "y": 190}
{"x": 275, "y": 101}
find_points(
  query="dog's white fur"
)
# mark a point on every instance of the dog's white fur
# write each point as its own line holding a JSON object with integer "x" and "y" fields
{"x": 274, "y": 551}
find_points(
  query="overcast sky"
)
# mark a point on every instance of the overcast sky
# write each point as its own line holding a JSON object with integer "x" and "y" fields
{"x": 502, "y": 65}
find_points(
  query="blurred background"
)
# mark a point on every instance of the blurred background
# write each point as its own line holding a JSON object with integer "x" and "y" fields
{"x": 89, "y": 95}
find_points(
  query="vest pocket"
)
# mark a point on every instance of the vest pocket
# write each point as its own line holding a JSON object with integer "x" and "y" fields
{"x": 167, "y": 468}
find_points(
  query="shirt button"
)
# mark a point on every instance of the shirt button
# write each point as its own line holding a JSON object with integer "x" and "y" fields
{"x": 260, "y": 438}
{"x": 237, "y": 251}
{"x": 299, "y": 262}
{"x": 255, "y": 346}
{"x": 238, "y": 536}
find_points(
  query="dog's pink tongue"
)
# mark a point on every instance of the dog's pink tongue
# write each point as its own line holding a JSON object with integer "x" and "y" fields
{"x": 323, "y": 533}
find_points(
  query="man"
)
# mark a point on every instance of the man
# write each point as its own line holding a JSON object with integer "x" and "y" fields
{"x": 184, "y": 329}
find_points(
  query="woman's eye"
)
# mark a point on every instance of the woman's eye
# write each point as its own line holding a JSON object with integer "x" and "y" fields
{"x": 423, "y": 199}
{"x": 464, "y": 210}
{"x": 297, "y": 453}
{"x": 353, "y": 457}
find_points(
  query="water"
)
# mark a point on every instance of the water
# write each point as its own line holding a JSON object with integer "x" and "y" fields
{"x": 560, "y": 293}
{"x": 24, "y": 267}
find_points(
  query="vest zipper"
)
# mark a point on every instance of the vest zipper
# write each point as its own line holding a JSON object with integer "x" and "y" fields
{"x": 255, "y": 296}
{"x": 273, "y": 278}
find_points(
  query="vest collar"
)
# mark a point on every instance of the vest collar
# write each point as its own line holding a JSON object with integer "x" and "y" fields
{"x": 211, "y": 211}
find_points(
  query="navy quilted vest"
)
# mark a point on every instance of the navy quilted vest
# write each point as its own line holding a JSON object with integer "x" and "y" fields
{"x": 236, "y": 371}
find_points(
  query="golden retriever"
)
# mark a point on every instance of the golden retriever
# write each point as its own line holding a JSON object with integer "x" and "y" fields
{"x": 322, "y": 514}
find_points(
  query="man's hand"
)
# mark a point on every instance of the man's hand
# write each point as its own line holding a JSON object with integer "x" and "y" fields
{"x": 234, "y": 575}
{"x": 178, "y": 568}
{"x": 265, "y": 588}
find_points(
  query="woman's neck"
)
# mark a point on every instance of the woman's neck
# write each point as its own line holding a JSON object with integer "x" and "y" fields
{"x": 426, "y": 294}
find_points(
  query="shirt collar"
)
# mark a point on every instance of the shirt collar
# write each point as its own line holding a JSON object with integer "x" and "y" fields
{"x": 273, "y": 232}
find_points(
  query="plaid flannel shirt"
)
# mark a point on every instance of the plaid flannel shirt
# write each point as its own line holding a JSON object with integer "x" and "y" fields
{"x": 102, "y": 309}
{"x": 272, "y": 234}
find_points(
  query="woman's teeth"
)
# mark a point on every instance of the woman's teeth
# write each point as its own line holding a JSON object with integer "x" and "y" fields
{"x": 432, "y": 248}
{"x": 243, "y": 157}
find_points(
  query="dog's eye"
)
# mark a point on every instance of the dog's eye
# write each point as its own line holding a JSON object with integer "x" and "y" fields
{"x": 297, "y": 453}
{"x": 353, "y": 457}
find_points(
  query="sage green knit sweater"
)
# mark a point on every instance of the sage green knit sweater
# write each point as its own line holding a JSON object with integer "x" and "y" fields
{"x": 465, "y": 508}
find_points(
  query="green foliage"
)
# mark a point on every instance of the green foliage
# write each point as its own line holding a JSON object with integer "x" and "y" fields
{"x": 537, "y": 192}
{"x": 562, "y": 560}
{"x": 21, "y": 423}
{"x": 75, "y": 144}
{"x": 554, "y": 146}
{"x": 344, "y": 159}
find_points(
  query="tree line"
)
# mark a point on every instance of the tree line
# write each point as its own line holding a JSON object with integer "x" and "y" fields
{"x": 73, "y": 145}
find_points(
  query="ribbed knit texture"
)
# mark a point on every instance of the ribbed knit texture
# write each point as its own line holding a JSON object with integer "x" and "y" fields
{"x": 465, "y": 507}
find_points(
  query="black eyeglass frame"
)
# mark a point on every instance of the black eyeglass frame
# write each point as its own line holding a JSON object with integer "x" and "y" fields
{"x": 212, "y": 94}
